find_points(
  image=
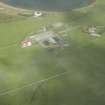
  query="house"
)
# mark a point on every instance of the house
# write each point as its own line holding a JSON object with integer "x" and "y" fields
{"x": 26, "y": 43}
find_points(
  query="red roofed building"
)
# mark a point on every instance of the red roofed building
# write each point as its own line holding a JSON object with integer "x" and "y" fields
{"x": 26, "y": 43}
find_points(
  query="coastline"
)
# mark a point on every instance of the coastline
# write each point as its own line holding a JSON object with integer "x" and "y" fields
{"x": 6, "y": 7}
{"x": 92, "y": 4}
{"x": 15, "y": 10}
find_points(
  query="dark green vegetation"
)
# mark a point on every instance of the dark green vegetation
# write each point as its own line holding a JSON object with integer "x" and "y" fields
{"x": 83, "y": 63}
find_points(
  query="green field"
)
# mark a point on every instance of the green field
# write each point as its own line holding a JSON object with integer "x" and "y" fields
{"x": 34, "y": 76}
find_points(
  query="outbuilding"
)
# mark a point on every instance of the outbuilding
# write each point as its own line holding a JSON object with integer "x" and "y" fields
{"x": 37, "y": 14}
{"x": 26, "y": 43}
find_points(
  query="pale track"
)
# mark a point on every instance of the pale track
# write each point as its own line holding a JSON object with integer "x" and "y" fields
{"x": 33, "y": 83}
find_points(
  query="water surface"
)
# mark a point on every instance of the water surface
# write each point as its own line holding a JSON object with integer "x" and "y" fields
{"x": 51, "y": 5}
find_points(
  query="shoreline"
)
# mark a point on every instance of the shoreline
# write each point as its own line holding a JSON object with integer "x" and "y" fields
{"x": 92, "y": 4}
{"x": 4, "y": 6}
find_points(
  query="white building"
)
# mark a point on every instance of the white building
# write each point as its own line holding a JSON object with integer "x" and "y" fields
{"x": 37, "y": 14}
{"x": 93, "y": 32}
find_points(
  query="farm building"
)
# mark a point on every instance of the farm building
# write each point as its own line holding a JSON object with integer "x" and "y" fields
{"x": 46, "y": 39}
{"x": 26, "y": 43}
{"x": 93, "y": 32}
{"x": 37, "y": 14}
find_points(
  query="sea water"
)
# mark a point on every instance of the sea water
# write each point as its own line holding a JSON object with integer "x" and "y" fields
{"x": 49, "y": 5}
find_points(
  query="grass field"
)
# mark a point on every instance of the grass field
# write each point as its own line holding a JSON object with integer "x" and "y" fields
{"x": 34, "y": 76}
